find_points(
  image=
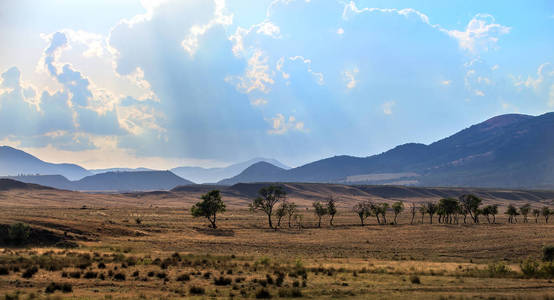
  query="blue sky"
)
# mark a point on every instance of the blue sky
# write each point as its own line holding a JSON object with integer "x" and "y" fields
{"x": 199, "y": 82}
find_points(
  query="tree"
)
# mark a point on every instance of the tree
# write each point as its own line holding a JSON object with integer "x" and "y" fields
{"x": 281, "y": 212}
{"x": 268, "y": 197}
{"x": 413, "y": 210}
{"x": 524, "y": 211}
{"x": 546, "y": 212}
{"x": 363, "y": 210}
{"x": 471, "y": 203}
{"x": 291, "y": 211}
{"x": 536, "y": 213}
{"x": 448, "y": 207}
{"x": 19, "y": 233}
{"x": 422, "y": 211}
{"x": 208, "y": 208}
{"x": 331, "y": 209}
{"x": 431, "y": 209}
{"x": 512, "y": 213}
{"x": 383, "y": 210}
{"x": 397, "y": 207}
{"x": 490, "y": 210}
{"x": 320, "y": 211}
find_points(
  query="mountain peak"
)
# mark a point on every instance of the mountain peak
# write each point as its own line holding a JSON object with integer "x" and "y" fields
{"x": 503, "y": 120}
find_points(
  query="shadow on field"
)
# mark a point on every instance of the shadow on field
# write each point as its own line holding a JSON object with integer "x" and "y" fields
{"x": 215, "y": 232}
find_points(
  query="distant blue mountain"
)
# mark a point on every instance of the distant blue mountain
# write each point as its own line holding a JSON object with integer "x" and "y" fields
{"x": 507, "y": 151}
{"x": 16, "y": 162}
{"x": 213, "y": 175}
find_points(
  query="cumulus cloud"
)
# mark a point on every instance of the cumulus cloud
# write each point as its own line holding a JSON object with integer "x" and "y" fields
{"x": 258, "y": 75}
{"x": 281, "y": 125}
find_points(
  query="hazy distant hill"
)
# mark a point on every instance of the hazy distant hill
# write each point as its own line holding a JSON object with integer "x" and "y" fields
{"x": 99, "y": 171}
{"x": 212, "y": 175}
{"x": 7, "y": 184}
{"x": 112, "y": 181}
{"x": 513, "y": 151}
{"x": 15, "y": 162}
{"x": 258, "y": 172}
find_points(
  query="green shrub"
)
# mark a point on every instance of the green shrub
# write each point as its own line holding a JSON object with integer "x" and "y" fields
{"x": 529, "y": 267}
{"x": 547, "y": 269}
{"x": 548, "y": 253}
{"x": 119, "y": 276}
{"x": 498, "y": 269}
{"x": 222, "y": 281}
{"x": 19, "y": 233}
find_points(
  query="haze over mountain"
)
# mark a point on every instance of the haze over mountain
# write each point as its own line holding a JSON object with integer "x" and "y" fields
{"x": 513, "y": 150}
{"x": 111, "y": 181}
{"x": 16, "y": 162}
{"x": 99, "y": 171}
{"x": 212, "y": 175}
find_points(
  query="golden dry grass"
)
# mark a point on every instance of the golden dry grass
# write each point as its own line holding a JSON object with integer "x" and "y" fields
{"x": 343, "y": 261}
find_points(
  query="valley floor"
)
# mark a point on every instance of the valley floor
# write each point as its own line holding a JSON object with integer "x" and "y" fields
{"x": 171, "y": 255}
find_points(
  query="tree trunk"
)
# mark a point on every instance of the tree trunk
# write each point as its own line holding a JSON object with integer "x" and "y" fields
{"x": 269, "y": 221}
{"x": 331, "y": 221}
{"x": 362, "y": 220}
{"x": 378, "y": 220}
{"x": 494, "y": 219}
{"x": 395, "y": 217}
{"x": 488, "y": 219}
{"x": 319, "y": 222}
{"x": 465, "y": 217}
{"x": 430, "y": 219}
{"x": 412, "y": 221}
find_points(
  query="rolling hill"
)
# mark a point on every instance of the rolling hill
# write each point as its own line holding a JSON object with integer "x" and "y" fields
{"x": 16, "y": 162}
{"x": 212, "y": 175}
{"x": 111, "y": 181}
{"x": 507, "y": 151}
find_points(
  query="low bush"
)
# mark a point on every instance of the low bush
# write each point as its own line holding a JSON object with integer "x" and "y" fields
{"x": 197, "y": 290}
{"x": 75, "y": 274}
{"x": 19, "y": 233}
{"x": 65, "y": 288}
{"x": 183, "y": 277}
{"x": 90, "y": 275}
{"x": 415, "y": 279}
{"x": 4, "y": 271}
{"x": 529, "y": 267}
{"x": 119, "y": 276}
{"x": 290, "y": 293}
{"x": 263, "y": 293}
{"x": 30, "y": 272}
{"x": 222, "y": 281}
{"x": 498, "y": 269}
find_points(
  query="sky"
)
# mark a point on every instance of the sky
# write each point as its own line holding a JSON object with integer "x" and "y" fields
{"x": 160, "y": 84}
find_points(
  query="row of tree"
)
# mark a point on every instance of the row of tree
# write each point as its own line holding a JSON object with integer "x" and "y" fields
{"x": 448, "y": 210}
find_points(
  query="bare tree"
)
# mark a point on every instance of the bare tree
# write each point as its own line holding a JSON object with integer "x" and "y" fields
{"x": 291, "y": 211}
{"x": 422, "y": 211}
{"x": 281, "y": 212}
{"x": 413, "y": 210}
{"x": 546, "y": 212}
{"x": 536, "y": 213}
{"x": 269, "y": 196}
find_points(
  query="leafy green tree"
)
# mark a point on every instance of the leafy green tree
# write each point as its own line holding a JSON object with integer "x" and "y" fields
{"x": 471, "y": 203}
{"x": 363, "y": 210}
{"x": 383, "y": 210}
{"x": 431, "y": 209}
{"x": 546, "y": 212}
{"x": 208, "y": 208}
{"x": 448, "y": 207}
{"x": 524, "y": 211}
{"x": 291, "y": 211}
{"x": 319, "y": 211}
{"x": 422, "y": 211}
{"x": 331, "y": 209}
{"x": 268, "y": 197}
{"x": 19, "y": 233}
{"x": 397, "y": 207}
{"x": 512, "y": 213}
{"x": 490, "y": 210}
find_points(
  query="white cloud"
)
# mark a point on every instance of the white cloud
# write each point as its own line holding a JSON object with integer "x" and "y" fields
{"x": 350, "y": 78}
{"x": 387, "y": 107}
{"x": 340, "y": 31}
{"x": 258, "y": 75}
{"x": 479, "y": 93}
{"x": 536, "y": 82}
{"x": 480, "y": 34}
{"x": 495, "y": 67}
{"x": 258, "y": 102}
{"x": 308, "y": 62}
{"x": 264, "y": 28}
{"x": 446, "y": 82}
{"x": 281, "y": 125}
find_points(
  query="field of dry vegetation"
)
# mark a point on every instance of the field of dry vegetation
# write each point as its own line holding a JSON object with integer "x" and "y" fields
{"x": 147, "y": 248}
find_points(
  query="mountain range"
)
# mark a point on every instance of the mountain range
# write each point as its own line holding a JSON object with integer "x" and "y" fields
{"x": 111, "y": 181}
{"x": 506, "y": 151}
{"x": 213, "y": 175}
{"x": 509, "y": 151}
